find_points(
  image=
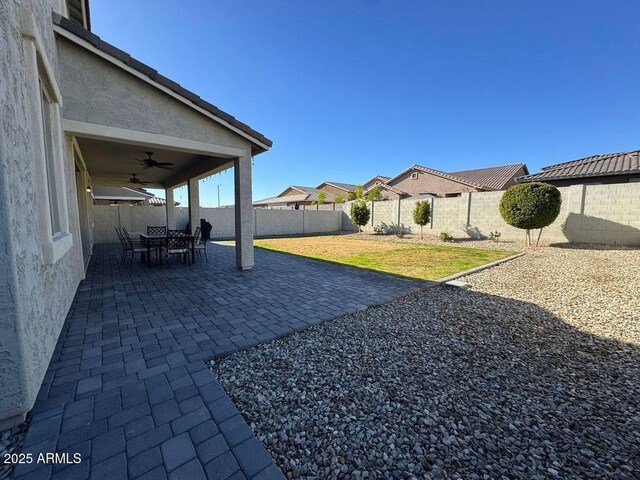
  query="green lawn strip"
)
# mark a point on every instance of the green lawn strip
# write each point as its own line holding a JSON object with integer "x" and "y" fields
{"x": 425, "y": 262}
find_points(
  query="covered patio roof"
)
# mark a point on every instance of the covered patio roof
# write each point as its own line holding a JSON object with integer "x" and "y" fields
{"x": 115, "y": 108}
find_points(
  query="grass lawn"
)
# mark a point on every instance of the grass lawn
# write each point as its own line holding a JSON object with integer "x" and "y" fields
{"x": 425, "y": 262}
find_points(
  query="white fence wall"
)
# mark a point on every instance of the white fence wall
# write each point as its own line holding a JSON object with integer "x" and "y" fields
{"x": 607, "y": 214}
{"x": 267, "y": 222}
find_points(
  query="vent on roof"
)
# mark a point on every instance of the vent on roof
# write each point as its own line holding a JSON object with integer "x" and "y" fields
{"x": 414, "y": 176}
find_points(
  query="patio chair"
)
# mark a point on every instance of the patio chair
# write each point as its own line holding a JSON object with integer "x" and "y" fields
{"x": 123, "y": 243}
{"x": 178, "y": 243}
{"x": 132, "y": 247}
{"x": 199, "y": 245}
{"x": 159, "y": 229}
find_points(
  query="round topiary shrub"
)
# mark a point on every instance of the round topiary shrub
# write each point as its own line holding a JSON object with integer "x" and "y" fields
{"x": 531, "y": 205}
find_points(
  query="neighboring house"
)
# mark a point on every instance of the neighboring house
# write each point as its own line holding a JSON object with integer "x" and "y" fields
{"x": 621, "y": 167}
{"x": 76, "y": 112}
{"x": 345, "y": 190}
{"x": 126, "y": 196}
{"x": 375, "y": 181}
{"x": 422, "y": 181}
{"x": 387, "y": 191}
{"x": 294, "y": 195}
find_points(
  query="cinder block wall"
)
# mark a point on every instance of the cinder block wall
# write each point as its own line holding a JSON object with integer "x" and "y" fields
{"x": 266, "y": 222}
{"x": 608, "y": 214}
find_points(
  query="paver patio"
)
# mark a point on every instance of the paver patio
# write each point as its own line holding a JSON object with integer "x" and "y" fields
{"x": 127, "y": 386}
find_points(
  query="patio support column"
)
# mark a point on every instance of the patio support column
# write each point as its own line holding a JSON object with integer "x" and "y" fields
{"x": 171, "y": 209}
{"x": 194, "y": 203}
{"x": 243, "y": 211}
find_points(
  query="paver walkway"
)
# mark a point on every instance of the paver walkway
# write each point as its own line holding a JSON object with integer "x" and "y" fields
{"x": 127, "y": 387}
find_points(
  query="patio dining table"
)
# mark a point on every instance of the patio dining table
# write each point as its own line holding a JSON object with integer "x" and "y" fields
{"x": 157, "y": 240}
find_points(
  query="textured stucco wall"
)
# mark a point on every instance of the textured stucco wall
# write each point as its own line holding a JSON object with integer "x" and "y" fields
{"x": 41, "y": 294}
{"x": 98, "y": 92}
{"x": 608, "y": 214}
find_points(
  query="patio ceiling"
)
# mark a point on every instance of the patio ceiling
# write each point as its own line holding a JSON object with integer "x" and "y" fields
{"x": 112, "y": 163}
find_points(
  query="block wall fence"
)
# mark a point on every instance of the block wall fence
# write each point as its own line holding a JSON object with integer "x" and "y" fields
{"x": 608, "y": 214}
{"x": 266, "y": 222}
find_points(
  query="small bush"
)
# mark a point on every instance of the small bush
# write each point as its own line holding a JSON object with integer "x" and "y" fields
{"x": 495, "y": 236}
{"x": 421, "y": 214}
{"x": 360, "y": 214}
{"x": 445, "y": 237}
{"x": 530, "y": 205}
{"x": 338, "y": 199}
{"x": 378, "y": 229}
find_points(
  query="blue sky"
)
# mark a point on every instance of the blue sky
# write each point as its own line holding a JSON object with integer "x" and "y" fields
{"x": 350, "y": 89}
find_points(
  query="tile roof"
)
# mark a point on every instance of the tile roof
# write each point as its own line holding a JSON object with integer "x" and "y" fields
{"x": 386, "y": 186}
{"x": 438, "y": 173}
{"x": 306, "y": 194}
{"x": 344, "y": 186}
{"x": 378, "y": 178}
{"x": 493, "y": 177}
{"x": 620, "y": 163}
{"x": 124, "y": 57}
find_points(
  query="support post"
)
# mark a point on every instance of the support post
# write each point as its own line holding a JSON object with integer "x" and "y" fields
{"x": 194, "y": 204}
{"x": 171, "y": 208}
{"x": 243, "y": 211}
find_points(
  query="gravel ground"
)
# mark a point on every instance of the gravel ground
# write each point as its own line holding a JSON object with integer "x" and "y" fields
{"x": 487, "y": 244}
{"x": 532, "y": 373}
{"x": 10, "y": 440}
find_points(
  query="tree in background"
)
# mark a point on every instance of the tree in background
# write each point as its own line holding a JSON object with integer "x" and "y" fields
{"x": 374, "y": 194}
{"x": 421, "y": 214}
{"x": 358, "y": 194}
{"x": 338, "y": 199}
{"x": 321, "y": 197}
{"x": 531, "y": 205}
{"x": 360, "y": 214}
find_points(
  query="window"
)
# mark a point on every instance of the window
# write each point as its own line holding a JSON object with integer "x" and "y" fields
{"x": 49, "y": 159}
{"x": 414, "y": 176}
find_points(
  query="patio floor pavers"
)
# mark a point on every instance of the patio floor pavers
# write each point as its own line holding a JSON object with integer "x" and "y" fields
{"x": 127, "y": 387}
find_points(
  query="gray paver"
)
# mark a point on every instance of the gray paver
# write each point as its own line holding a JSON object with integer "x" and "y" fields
{"x": 127, "y": 385}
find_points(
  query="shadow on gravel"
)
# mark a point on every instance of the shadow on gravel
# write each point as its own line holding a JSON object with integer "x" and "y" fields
{"x": 593, "y": 246}
{"x": 444, "y": 383}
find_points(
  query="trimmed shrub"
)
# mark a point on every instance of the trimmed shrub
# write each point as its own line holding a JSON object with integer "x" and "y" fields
{"x": 531, "y": 205}
{"x": 421, "y": 214}
{"x": 338, "y": 199}
{"x": 360, "y": 214}
{"x": 445, "y": 237}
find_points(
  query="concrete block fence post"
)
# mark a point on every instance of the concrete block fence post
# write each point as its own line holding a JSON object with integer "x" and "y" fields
{"x": 432, "y": 201}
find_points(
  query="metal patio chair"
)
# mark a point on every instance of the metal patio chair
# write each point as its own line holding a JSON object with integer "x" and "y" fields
{"x": 132, "y": 247}
{"x": 198, "y": 245}
{"x": 178, "y": 243}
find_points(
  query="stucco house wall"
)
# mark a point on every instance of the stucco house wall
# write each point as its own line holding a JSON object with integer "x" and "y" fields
{"x": 118, "y": 99}
{"x": 37, "y": 295}
{"x": 428, "y": 183}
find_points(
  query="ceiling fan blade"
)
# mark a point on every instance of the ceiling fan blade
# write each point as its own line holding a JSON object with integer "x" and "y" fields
{"x": 164, "y": 168}
{"x": 164, "y": 163}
